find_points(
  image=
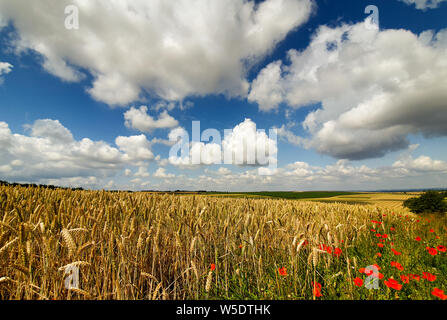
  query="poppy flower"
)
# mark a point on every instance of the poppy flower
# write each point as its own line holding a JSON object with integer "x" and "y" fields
{"x": 368, "y": 272}
{"x": 432, "y": 231}
{"x": 391, "y": 283}
{"x": 415, "y": 277}
{"x": 441, "y": 248}
{"x": 380, "y": 245}
{"x": 213, "y": 267}
{"x": 282, "y": 271}
{"x": 373, "y": 230}
{"x": 428, "y": 276}
{"x": 392, "y": 229}
{"x": 317, "y": 289}
{"x": 418, "y": 239}
{"x": 358, "y": 282}
{"x": 439, "y": 293}
{"x": 396, "y": 253}
{"x": 405, "y": 279}
{"x": 379, "y": 254}
{"x": 337, "y": 252}
{"x": 397, "y": 265}
{"x": 240, "y": 246}
{"x": 379, "y": 275}
{"x": 432, "y": 251}
{"x": 384, "y": 236}
{"x": 376, "y": 222}
{"x": 378, "y": 235}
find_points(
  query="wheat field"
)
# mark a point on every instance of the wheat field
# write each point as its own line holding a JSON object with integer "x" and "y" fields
{"x": 151, "y": 246}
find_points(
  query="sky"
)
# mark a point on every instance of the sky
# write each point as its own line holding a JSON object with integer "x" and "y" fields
{"x": 296, "y": 94}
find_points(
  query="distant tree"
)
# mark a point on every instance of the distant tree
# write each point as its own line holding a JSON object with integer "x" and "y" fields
{"x": 428, "y": 202}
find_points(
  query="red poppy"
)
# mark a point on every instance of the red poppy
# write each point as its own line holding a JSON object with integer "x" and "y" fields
{"x": 368, "y": 272}
{"x": 432, "y": 251}
{"x": 391, "y": 283}
{"x": 428, "y": 276}
{"x": 392, "y": 229}
{"x": 337, "y": 252}
{"x": 397, "y": 265}
{"x": 415, "y": 277}
{"x": 385, "y": 236}
{"x": 378, "y": 235}
{"x": 418, "y": 239}
{"x": 213, "y": 267}
{"x": 380, "y": 245}
{"x": 373, "y": 230}
{"x": 317, "y": 289}
{"x": 358, "y": 282}
{"x": 405, "y": 279}
{"x": 282, "y": 271}
{"x": 432, "y": 231}
{"x": 379, "y": 254}
{"x": 442, "y": 248}
{"x": 396, "y": 253}
{"x": 376, "y": 222}
{"x": 439, "y": 293}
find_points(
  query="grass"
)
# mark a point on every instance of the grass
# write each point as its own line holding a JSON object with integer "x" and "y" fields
{"x": 286, "y": 195}
{"x": 154, "y": 246}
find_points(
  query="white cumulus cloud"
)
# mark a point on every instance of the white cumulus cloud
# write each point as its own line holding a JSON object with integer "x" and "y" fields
{"x": 51, "y": 152}
{"x": 375, "y": 88}
{"x": 171, "y": 49}
{"x": 140, "y": 120}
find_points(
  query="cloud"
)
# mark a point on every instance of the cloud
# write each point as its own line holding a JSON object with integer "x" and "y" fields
{"x": 51, "y": 152}
{"x": 424, "y": 4}
{"x": 421, "y": 164}
{"x": 422, "y": 172}
{"x": 142, "y": 173}
{"x": 289, "y": 136}
{"x": 51, "y": 129}
{"x": 5, "y": 68}
{"x": 161, "y": 173}
{"x": 140, "y": 120}
{"x": 244, "y": 145}
{"x": 170, "y": 49}
{"x": 374, "y": 87}
{"x": 137, "y": 148}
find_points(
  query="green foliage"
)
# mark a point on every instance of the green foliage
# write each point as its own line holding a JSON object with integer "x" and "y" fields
{"x": 430, "y": 201}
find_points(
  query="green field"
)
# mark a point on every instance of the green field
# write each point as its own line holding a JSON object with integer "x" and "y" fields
{"x": 285, "y": 194}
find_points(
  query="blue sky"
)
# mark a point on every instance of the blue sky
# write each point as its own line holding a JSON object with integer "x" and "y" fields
{"x": 367, "y": 114}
